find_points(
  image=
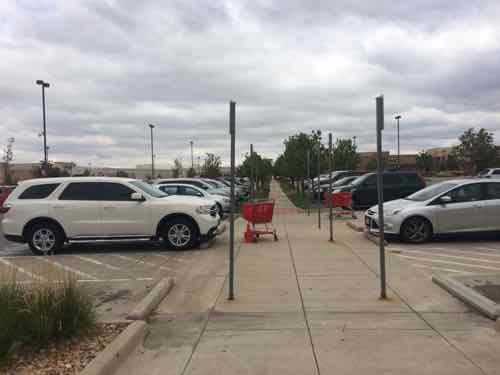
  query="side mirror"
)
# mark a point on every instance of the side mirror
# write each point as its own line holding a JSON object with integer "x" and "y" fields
{"x": 138, "y": 197}
{"x": 445, "y": 199}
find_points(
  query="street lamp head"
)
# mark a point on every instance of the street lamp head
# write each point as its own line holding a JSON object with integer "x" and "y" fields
{"x": 39, "y": 82}
{"x": 151, "y": 126}
{"x": 397, "y": 117}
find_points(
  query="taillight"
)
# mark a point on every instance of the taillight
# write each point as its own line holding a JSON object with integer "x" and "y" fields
{"x": 4, "y": 209}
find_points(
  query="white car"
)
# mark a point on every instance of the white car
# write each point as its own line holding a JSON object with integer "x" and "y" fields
{"x": 46, "y": 213}
{"x": 449, "y": 207}
{"x": 223, "y": 202}
{"x": 192, "y": 181}
{"x": 489, "y": 173}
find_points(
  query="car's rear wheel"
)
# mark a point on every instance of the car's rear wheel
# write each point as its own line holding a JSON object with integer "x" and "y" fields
{"x": 416, "y": 230}
{"x": 45, "y": 238}
{"x": 179, "y": 234}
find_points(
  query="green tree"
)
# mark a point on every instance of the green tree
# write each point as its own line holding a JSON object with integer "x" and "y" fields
{"x": 177, "y": 170}
{"x": 424, "y": 161}
{"x": 476, "y": 150}
{"x": 211, "y": 167}
{"x": 345, "y": 155}
{"x": 452, "y": 162}
{"x": 262, "y": 169}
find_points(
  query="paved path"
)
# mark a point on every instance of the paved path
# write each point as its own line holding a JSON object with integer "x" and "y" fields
{"x": 307, "y": 306}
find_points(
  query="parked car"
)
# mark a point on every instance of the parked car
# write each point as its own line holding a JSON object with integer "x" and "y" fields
{"x": 337, "y": 184}
{"x": 46, "y": 213}
{"x": 193, "y": 181}
{"x": 448, "y": 207}
{"x": 5, "y": 192}
{"x": 223, "y": 202}
{"x": 337, "y": 175}
{"x": 397, "y": 184}
{"x": 489, "y": 173}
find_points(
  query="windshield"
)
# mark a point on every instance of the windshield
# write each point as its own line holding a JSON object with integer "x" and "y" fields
{"x": 431, "y": 191}
{"x": 148, "y": 189}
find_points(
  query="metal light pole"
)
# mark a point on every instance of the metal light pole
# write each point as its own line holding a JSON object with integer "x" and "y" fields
{"x": 251, "y": 173}
{"x": 397, "y": 118}
{"x": 192, "y": 158}
{"x": 380, "y": 191}
{"x": 232, "y": 126}
{"x": 308, "y": 159}
{"x": 330, "y": 198}
{"x": 152, "y": 154}
{"x": 318, "y": 189}
{"x": 45, "y": 153}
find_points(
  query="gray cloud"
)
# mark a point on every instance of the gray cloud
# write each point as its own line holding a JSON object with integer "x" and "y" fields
{"x": 115, "y": 66}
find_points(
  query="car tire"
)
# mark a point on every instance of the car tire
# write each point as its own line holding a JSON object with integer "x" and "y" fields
{"x": 179, "y": 234}
{"x": 416, "y": 230}
{"x": 45, "y": 238}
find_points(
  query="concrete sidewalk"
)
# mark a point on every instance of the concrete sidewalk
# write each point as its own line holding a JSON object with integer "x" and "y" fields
{"x": 307, "y": 306}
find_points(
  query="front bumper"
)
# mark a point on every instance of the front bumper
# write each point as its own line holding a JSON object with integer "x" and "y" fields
{"x": 391, "y": 226}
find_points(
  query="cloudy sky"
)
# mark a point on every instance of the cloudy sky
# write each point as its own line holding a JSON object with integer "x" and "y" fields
{"x": 116, "y": 65}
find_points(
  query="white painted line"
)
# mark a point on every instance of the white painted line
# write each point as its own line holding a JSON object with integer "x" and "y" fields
{"x": 439, "y": 268}
{"x": 453, "y": 256}
{"x": 162, "y": 256}
{"x": 22, "y": 270}
{"x": 476, "y": 253}
{"x": 447, "y": 262}
{"x": 134, "y": 260}
{"x": 66, "y": 268}
{"x": 94, "y": 281}
{"x": 93, "y": 261}
{"x": 489, "y": 249}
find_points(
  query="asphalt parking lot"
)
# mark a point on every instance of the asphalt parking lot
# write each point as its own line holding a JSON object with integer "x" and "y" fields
{"x": 118, "y": 276}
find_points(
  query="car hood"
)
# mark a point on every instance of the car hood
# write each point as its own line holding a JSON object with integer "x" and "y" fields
{"x": 398, "y": 203}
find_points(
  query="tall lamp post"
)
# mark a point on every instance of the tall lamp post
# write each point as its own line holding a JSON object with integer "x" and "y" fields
{"x": 192, "y": 158}
{"x": 397, "y": 118}
{"x": 151, "y": 126}
{"x": 44, "y": 133}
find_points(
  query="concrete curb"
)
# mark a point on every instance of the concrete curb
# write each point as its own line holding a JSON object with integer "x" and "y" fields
{"x": 468, "y": 295}
{"x": 354, "y": 226}
{"x": 152, "y": 300}
{"x": 373, "y": 238}
{"x": 108, "y": 360}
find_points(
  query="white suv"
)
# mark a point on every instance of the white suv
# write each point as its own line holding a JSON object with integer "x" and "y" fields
{"x": 46, "y": 213}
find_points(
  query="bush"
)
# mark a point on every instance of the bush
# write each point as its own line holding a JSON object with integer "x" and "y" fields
{"x": 43, "y": 311}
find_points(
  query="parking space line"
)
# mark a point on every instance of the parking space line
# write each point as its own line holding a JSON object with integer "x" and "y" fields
{"x": 93, "y": 280}
{"x": 93, "y": 261}
{"x": 130, "y": 259}
{"x": 447, "y": 262}
{"x": 67, "y": 268}
{"x": 22, "y": 270}
{"x": 453, "y": 256}
{"x": 489, "y": 249}
{"x": 439, "y": 268}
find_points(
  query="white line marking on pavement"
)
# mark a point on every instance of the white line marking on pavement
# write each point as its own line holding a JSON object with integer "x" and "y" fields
{"x": 67, "y": 268}
{"x": 439, "y": 268}
{"x": 489, "y": 249}
{"x": 94, "y": 280}
{"x": 453, "y": 256}
{"x": 90, "y": 260}
{"x": 22, "y": 270}
{"x": 447, "y": 262}
{"x": 130, "y": 259}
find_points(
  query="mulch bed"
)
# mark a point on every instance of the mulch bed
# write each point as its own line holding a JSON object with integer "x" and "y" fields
{"x": 65, "y": 357}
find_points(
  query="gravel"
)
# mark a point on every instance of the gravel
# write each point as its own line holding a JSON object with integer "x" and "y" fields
{"x": 66, "y": 357}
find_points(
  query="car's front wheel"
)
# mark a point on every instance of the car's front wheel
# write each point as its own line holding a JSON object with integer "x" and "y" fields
{"x": 45, "y": 238}
{"x": 416, "y": 230}
{"x": 179, "y": 234}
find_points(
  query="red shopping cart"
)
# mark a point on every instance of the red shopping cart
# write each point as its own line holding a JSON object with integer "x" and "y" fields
{"x": 258, "y": 213}
{"x": 342, "y": 200}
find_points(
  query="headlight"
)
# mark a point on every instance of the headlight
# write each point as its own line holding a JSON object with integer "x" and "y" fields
{"x": 203, "y": 210}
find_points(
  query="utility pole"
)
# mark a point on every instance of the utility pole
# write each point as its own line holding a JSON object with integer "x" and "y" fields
{"x": 251, "y": 173}
{"x": 380, "y": 191}
{"x": 192, "y": 157}
{"x": 309, "y": 179}
{"x": 232, "y": 130}
{"x": 318, "y": 190}
{"x": 398, "y": 117}
{"x": 44, "y": 133}
{"x": 330, "y": 198}
{"x": 152, "y": 154}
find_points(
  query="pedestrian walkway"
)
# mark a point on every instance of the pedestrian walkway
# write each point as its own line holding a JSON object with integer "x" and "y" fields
{"x": 304, "y": 305}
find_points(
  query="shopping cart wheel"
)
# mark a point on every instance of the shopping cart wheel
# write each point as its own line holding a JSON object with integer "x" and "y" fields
{"x": 275, "y": 236}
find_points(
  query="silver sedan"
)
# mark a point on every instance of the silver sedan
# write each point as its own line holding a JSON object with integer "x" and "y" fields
{"x": 449, "y": 207}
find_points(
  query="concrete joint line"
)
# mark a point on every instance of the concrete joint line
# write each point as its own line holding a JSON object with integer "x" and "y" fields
{"x": 149, "y": 303}
{"x": 107, "y": 361}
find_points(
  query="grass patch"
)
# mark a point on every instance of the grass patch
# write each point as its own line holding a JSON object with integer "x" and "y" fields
{"x": 300, "y": 200}
{"x": 39, "y": 313}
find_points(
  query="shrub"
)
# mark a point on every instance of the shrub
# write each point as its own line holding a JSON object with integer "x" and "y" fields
{"x": 11, "y": 303}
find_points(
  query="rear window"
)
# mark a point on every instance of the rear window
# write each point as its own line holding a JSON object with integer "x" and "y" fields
{"x": 38, "y": 191}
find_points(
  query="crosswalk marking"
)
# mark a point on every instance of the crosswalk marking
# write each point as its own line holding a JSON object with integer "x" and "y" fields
{"x": 22, "y": 270}
{"x": 93, "y": 261}
{"x": 447, "y": 262}
{"x": 66, "y": 268}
